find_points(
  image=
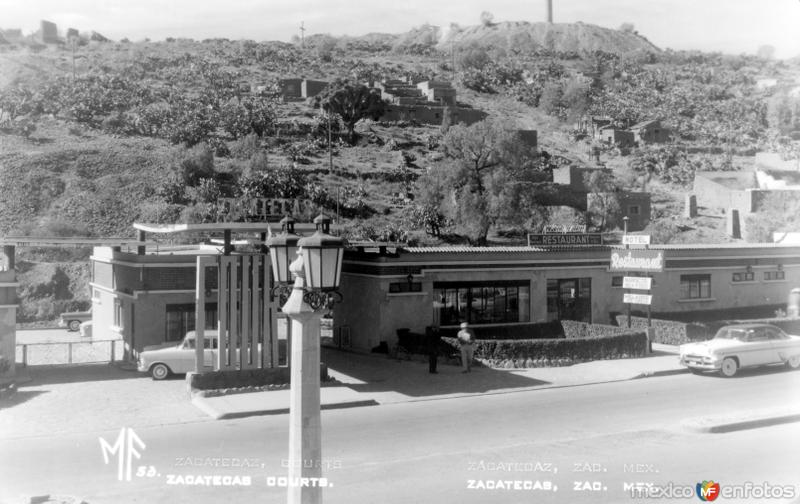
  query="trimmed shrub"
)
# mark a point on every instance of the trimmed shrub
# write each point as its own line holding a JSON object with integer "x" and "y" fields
{"x": 556, "y": 352}
{"x": 245, "y": 378}
{"x": 574, "y": 329}
{"x": 669, "y": 332}
{"x": 789, "y": 325}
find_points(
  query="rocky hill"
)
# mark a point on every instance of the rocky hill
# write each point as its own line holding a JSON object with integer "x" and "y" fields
{"x": 521, "y": 36}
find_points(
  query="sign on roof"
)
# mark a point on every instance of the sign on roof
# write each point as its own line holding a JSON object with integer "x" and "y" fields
{"x": 636, "y": 239}
{"x": 565, "y": 239}
{"x": 637, "y": 260}
{"x": 561, "y": 228}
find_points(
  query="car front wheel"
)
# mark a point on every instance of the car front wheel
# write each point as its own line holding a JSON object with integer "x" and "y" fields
{"x": 729, "y": 367}
{"x": 159, "y": 371}
{"x": 74, "y": 325}
{"x": 793, "y": 362}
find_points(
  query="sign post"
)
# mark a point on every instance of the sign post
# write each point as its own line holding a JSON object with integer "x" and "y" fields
{"x": 641, "y": 260}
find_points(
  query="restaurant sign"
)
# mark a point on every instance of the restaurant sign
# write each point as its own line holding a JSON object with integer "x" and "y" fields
{"x": 637, "y": 260}
{"x": 565, "y": 239}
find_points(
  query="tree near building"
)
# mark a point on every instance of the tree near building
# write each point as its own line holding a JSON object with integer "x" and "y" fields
{"x": 351, "y": 102}
{"x": 486, "y": 162}
{"x": 603, "y": 207}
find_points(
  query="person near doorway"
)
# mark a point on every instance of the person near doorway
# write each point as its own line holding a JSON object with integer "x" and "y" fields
{"x": 432, "y": 345}
{"x": 466, "y": 338}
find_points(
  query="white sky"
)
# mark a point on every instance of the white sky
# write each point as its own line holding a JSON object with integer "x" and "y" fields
{"x": 730, "y": 26}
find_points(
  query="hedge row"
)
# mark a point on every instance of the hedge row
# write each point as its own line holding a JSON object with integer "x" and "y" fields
{"x": 789, "y": 325}
{"x": 246, "y": 378}
{"x": 574, "y": 329}
{"x": 556, "y": 352}
{"x": 668, "y": 332}
{"x": 672, "y": 332}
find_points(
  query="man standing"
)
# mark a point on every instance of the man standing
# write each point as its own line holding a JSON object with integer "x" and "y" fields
{"x": 432, "y": 344}
{"x": 466, "y": 337}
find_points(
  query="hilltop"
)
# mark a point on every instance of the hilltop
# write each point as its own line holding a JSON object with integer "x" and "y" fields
{"x": 522, "y": 36}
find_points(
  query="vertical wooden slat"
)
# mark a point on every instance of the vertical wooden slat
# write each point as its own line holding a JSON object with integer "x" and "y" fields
{"x": 199, "y": 314}
{"x": 222, "y": 312}
{"x": 272, "y": 321}
{"x": 235, "y": 335}
{"x": 255, "y": 309}
{"x": 244, "y": 307}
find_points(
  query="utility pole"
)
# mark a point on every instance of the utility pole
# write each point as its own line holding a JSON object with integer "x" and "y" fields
{"x": 550, "y": 11}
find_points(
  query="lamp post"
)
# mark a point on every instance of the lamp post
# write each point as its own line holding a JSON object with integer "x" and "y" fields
{"x": 316, "y": 271}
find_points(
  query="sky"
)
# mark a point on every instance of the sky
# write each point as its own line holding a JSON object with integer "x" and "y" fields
{"x": 729, "y": 26}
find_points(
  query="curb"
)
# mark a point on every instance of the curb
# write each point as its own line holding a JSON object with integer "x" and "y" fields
{"x": 755, "y": 423}
{"x": 203, "y": 405}
{"x": 655, "y": 374}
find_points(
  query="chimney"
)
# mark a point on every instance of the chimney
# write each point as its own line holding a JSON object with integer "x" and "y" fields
{"x": 550, "y": 11}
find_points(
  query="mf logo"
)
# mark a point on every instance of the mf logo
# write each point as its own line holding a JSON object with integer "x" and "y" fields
{"x": 708, "y": 490}
{"x": 125, "y": 448}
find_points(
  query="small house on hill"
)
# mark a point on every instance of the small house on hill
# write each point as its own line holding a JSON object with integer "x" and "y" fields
{"x": 649, "y": 132}
{"x": 615, "y": 136}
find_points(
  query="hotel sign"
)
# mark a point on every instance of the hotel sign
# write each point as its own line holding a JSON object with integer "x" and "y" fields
{"x": 637, "y": 260}
{"x": 636, "y": 239}
{"x": 566, "y": 239}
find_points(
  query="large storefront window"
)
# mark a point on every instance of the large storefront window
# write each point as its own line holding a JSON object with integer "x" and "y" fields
{"x": 180, "y": 319}
{"x": 481, "y": 302}
{"x": 569, "y": 299}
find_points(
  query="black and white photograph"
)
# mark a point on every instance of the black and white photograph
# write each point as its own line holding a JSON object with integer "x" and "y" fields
{"x": 421, "y": 252}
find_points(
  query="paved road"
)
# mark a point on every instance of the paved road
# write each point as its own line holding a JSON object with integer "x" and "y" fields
{"x": 432, "y": 451}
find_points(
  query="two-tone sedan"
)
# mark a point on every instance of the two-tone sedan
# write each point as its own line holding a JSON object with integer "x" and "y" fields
{"x": 739, "y": 346}
{"x": 162, "y": 360}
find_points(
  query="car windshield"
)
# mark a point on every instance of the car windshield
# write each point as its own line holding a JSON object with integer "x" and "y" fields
{"x": 732, "y": 333}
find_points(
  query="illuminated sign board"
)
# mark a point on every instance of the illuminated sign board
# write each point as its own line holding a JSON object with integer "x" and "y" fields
{"x": 637, "y": 260}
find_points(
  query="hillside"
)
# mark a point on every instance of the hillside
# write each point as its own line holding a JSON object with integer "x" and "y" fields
{"x": 522, "y": 36}
{"x": 153, "y": 131}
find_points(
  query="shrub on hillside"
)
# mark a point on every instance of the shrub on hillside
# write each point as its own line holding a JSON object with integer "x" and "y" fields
{"x": 197, "y": 165}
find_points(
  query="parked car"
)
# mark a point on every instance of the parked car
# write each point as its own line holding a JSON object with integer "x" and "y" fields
{"x": 162, "y": 360}
{"x": 743, "y": 345}
{"x": 72, "y": 320}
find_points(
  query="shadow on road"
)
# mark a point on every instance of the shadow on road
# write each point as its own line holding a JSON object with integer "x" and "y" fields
{"x": 19, "y": 397}
{"x": 378, "y": 373}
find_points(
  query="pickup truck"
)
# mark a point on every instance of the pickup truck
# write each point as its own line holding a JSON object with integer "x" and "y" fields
{"x": 72, "y": 320}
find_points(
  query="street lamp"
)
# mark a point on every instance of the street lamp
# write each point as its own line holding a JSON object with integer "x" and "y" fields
{"x": 282, "y": 251}
{"x": 316, "y": 271}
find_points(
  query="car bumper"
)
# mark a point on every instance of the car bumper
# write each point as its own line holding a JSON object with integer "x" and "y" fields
{"x": 705, "y": 363}
{"x": 142, "y": 366}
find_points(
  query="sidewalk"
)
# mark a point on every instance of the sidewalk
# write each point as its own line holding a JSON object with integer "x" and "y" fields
{"x": 375, "y": 379}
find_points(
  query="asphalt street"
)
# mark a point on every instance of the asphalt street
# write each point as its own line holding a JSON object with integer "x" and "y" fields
{"x": 584, "y": 444}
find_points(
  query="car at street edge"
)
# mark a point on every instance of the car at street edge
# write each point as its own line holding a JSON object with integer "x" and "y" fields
{"x": 742, "y": 345}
